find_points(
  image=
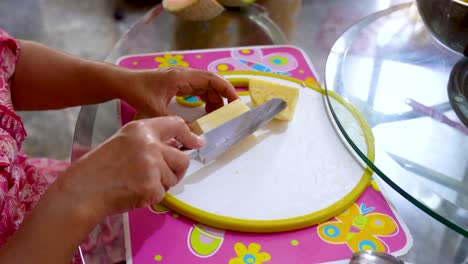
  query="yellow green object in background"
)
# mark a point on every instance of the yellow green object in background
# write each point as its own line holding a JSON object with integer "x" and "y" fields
{"x": 200, "y": 10}
{"x": 204, "y": 243}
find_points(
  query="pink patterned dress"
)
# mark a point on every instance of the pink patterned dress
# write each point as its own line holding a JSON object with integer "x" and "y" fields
{"x": 23, "y": 180}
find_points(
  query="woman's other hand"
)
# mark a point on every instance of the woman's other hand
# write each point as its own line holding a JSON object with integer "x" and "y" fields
{"x": 154, "y": 89}
{"x": 133, "y": 169}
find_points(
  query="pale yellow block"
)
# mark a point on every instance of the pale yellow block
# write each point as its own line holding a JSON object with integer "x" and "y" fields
{"x": 219, "y": 117}
{"x": 261, "y": 91}
{"x": 195, "y": 10}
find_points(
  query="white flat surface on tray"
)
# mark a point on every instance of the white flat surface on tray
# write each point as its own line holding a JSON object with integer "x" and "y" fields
{"x": 289, "y": 169}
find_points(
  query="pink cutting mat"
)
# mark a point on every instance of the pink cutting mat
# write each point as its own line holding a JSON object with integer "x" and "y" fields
{"x": 159, "y": 235}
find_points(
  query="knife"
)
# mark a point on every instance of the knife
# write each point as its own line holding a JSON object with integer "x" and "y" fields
{"x": 430, "y": 174}
{"x": 222, "y": 138}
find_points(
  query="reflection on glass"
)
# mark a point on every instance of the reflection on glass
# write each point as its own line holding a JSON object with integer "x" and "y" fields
{"x": 399, "y": 84}
{"x": 399, "y": 80}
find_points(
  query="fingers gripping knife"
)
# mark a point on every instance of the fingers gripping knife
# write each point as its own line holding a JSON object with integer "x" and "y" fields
{"x": 222, "y": 138}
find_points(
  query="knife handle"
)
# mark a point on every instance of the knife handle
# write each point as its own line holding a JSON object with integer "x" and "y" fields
{"x": 192, "y": 153}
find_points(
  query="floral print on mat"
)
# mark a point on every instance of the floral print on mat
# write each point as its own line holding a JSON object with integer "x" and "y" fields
{"x": 249, "y": 255}
{"x": 168, "y": 61}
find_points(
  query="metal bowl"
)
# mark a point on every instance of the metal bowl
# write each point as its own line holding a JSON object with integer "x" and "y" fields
{"x": 448, "y": 22}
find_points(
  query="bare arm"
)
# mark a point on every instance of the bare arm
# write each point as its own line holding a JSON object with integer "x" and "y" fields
{"x": 52, "y": 231}
{"x": 103, "y": 182}
{"x": 49, "y": 79}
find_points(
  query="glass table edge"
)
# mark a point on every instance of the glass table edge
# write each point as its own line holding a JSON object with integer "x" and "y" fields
{"x": 356, "y": 27}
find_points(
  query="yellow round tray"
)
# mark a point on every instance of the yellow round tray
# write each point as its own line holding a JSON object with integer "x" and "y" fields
{"x": 183, "y": 206}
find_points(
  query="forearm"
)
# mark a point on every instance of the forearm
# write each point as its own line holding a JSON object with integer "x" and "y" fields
{"x": 52, "y": 231}
{"x": 49, "y": 79}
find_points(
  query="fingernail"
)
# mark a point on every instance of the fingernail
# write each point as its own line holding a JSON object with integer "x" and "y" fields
{"x": 221, "y": 76}
{"x": 200, "y": 141}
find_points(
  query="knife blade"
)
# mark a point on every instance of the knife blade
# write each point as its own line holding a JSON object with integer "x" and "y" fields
{"x": 222, "y": 138}
{"x": 430, "y": 174}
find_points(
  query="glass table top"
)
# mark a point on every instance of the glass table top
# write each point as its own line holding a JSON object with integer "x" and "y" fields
{"x": 386, "y": 65}
{"x": 391, "y": 69}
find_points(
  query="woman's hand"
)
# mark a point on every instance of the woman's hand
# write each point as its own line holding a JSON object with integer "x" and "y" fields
{"x": 132, "y": 169}
{"x": 42, "y": 73}
{"x": 154, "y": 89}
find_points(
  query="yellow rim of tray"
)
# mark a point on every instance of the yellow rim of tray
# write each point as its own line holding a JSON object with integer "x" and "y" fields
{"x": 286, "y": 224}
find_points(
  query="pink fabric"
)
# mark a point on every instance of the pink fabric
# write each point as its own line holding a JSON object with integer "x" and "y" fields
{"x": 23, "y": 180}
{"x": 21, "y": 184}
